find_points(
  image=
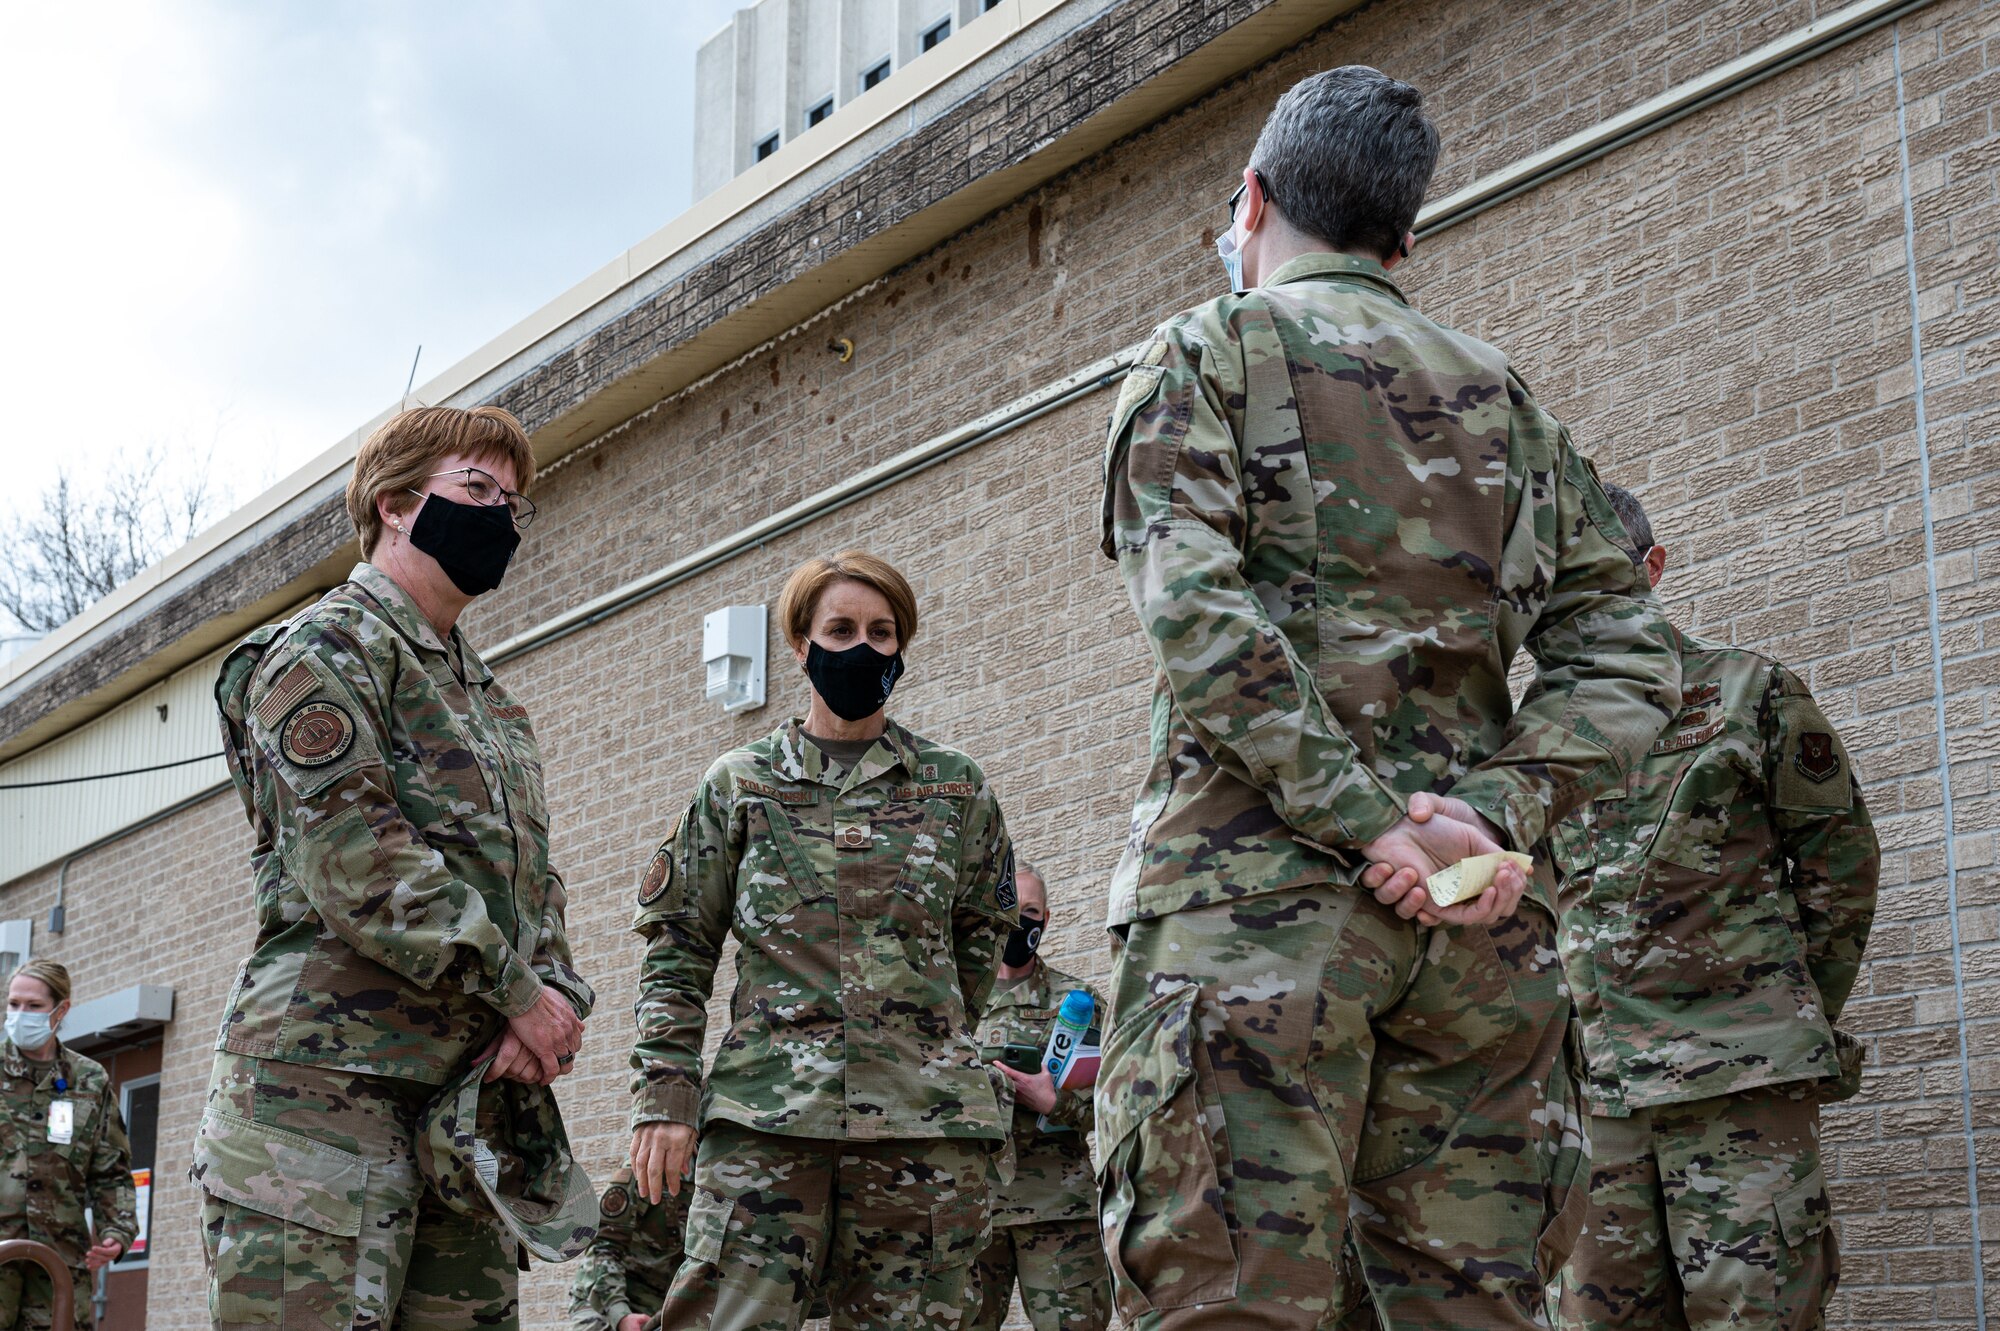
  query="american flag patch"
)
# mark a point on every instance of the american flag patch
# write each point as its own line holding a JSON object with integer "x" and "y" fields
{"x": 292, "y": 688}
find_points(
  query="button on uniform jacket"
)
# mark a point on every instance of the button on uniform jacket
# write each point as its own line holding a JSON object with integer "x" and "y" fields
{"x": 1052, "y": 1172}
{"x": 48, "y": 1184}
{"x": 869, "y": 905}
{"x": 405, "y": 903}
{"x": 1338, "y": 523}
{"x": 1715, "y": 903}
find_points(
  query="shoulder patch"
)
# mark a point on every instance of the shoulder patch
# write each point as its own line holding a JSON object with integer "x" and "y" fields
{"x": 1003, "y": 892}
{"x": 615, "y": 1202}
{"x": 286, "y": 694}
{"x": 316, "y": 733}
{"x": 1817, "y": 759}
{"x": 660, "y": 869}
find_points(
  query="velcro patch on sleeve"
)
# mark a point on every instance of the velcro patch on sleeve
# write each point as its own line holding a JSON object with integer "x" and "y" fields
{"x": 290, "y": 690}
{"x": 615, "y": 1202}
{"x": 1812, "y": 768}
{"x": 659, "y": 874}
{"x": 316, "y": 733}
{"x": 1003, "y": 892}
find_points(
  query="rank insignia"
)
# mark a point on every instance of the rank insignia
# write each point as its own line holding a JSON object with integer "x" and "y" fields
{"x": 316, "y": 733}
{"x": 1817, "y": 759}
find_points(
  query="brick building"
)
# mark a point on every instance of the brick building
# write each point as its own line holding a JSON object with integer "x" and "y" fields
{"x": 1749, "y": 250}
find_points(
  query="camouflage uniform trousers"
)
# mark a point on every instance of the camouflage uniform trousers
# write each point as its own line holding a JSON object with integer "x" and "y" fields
{"x": 1060, "y": 1266}
{"x": 1312, "y": 1113}
{"x": 403, "y": 1259}
{"x": 27, "y": 1300}
{"x": 1710, "y": 1213}
{"x": 886, "y": 1231}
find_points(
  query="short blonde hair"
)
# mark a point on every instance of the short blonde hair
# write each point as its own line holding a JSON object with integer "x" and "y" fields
{"x": 810, "y": 580}
{"x": 404, "y": 452}
{"x": 53, "y": 975}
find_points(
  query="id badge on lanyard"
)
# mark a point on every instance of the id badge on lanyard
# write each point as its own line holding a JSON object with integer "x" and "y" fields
{"x": 62, "y": 1121}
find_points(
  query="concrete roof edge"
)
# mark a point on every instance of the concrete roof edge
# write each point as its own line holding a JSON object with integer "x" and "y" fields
{"x": 543, "y": 336}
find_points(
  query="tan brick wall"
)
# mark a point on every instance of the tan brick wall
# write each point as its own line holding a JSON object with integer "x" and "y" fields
{"x": 1721, "y": 312}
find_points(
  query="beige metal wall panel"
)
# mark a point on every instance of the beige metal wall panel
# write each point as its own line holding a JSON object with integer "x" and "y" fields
{"x": 171, "y": 721}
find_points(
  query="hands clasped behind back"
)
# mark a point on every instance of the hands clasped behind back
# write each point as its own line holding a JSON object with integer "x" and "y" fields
{"x": 539, "y": 1045}
{"x": 1435, "y": 834}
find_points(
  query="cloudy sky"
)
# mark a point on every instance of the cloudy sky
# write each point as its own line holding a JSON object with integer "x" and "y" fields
{"x": 234, "y": 222}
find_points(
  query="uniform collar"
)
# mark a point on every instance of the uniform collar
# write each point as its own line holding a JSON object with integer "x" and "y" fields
{"x": 1338, "y": 267}
{"x": 1030, "y": 991}
{"x": 401, "y": 610}
{"x": 18, "y": 1064}
{"x": 799, "y": 759}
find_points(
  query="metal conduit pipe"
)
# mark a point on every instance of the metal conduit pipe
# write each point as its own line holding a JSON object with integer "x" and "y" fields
{"x": 890, "y": 471}
{"x": 57, "y": 919}
{"x": 1576, "y": 151}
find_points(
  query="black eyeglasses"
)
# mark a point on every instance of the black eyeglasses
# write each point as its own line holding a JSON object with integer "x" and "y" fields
{"x": 483, "y": 490}
{"x": 1237, "y": 197}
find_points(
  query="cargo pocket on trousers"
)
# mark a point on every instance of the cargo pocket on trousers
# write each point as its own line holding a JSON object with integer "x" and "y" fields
{"x": 1803, "y": 1210}
{"x": 708, "y": 1225}
{"x": 959, "y": 1230}
{"x": 1166, "y": 1162}
{"x": 1565, "y": 1146}
{"x": 283, "y": 1219}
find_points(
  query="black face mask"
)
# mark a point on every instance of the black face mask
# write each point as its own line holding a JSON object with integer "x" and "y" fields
{"x": 854, "y": 683}
{"x": 1021, "y": 944}
{"x": 471, "y": 542}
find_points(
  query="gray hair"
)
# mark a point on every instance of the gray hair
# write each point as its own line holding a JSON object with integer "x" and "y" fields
{"x": 1347, "y": 155}
{"x": 1637, "y": 525}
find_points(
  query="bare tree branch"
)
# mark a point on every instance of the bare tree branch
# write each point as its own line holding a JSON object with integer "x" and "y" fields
{"x": 80, "y": 543}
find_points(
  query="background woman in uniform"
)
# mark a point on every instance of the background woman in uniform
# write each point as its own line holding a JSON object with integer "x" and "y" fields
{"x": 408, "y": 922}
{"x": 66, "y": 1149}
{"x": 848, "y": 1123}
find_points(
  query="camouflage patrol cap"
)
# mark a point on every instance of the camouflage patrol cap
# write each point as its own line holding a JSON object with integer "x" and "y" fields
{"x": 499, "y": 1148}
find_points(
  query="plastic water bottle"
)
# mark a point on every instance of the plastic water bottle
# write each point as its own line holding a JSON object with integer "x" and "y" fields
{"x": 1072, "y": 1023}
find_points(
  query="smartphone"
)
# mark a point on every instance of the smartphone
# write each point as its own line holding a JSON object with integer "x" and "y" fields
{"x": 1022, "y": 1058}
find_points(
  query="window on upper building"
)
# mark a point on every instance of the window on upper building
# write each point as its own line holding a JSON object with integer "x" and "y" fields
{"x": 818, "y": 113}
{"x": 874, "y": 74}
{"x": 934, "y": 34}
{"x": 766, "y": 146}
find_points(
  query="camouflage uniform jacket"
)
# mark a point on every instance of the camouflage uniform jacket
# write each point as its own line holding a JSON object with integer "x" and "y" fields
{"x": 405, "y": 903}
{"x": 1053, "y": 1179}
{"x": 1716, "y": 902}
{"x": 1339, "y": 522}
{"x": 47, "y": 1183}
{"x": 629, "y": 1266}
{"x": 869, "y": 905}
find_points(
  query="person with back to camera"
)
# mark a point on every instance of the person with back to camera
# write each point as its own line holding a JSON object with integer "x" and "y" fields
{"x": 1045, "y": 1216}
{"x": 409, "y": 995}
{"x": 66, "y": 1151}
{"x": 1328, "y": 1099}
{"x": 847, "y": 1129}
{"x": 1715, "y": 905}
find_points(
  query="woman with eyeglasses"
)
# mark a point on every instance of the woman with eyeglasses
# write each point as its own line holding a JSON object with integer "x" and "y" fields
{"x": 68, "y": 1170}
{"x": 408, "y": 923}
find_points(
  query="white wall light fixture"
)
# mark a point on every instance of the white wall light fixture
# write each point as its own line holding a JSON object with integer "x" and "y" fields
{"x": 732, "y": 647}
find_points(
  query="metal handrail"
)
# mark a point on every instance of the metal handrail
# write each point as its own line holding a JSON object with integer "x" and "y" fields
{"x": 63, "y": 1315}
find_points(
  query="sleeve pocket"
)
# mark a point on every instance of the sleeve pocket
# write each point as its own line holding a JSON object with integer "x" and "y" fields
{"x": 281, "y": 1174}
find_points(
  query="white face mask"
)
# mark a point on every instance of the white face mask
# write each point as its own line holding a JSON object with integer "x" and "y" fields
{"x": 29, "y": 1030}
{"x": 1231, "y": 254}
